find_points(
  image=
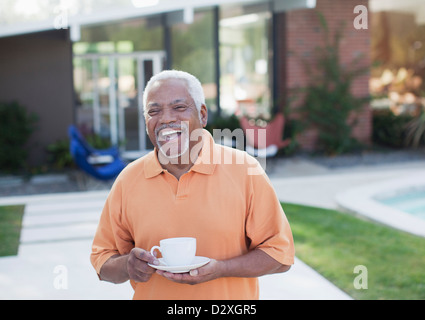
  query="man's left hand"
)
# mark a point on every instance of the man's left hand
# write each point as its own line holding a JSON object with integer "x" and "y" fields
{"x": 211, "y": 271}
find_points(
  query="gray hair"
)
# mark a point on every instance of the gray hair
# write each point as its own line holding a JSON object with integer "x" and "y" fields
{"x": 193, "y": 85}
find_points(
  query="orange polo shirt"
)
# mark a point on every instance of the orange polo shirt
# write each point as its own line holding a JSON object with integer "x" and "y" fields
{"x": 225, "y": 201}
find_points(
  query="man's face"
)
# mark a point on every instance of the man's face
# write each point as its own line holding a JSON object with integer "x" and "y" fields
{"x": 171, "y": 116}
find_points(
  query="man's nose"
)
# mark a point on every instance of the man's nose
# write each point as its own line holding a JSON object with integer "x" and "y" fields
{"x": 167, "y": 116}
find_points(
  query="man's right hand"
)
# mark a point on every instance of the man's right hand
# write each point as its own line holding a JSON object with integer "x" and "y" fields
{"x": 137, "y": 265}
{"x": 132, "y": 266}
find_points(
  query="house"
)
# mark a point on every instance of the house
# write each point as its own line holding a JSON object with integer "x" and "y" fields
{"x": 86, "y": 63}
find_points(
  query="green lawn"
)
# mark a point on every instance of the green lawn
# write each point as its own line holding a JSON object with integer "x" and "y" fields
{"x": 333, "y": 243}
{"x": 10, "y": 229}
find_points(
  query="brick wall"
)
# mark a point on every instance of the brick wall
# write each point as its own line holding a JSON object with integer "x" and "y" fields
{"x": 301, "y": 33}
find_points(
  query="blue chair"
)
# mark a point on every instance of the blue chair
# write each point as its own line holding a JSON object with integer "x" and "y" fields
{"x": 74, "y": 133}
{"x": 81, "y": 152}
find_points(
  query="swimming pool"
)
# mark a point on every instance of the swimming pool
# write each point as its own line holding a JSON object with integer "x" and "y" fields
{"x": 411, "y": 201}
{"x": 399, "y": 202}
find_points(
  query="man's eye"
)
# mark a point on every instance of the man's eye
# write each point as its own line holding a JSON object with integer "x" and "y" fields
{"x": 180, "y": 107}
{"x": 153, "y": 112}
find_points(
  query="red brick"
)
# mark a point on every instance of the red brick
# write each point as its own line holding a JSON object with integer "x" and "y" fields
{"x": 303, "y": 34}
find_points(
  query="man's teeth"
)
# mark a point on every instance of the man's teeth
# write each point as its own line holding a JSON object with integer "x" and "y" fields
{"x": 170, "y": 134}
{"x": 166, "y": 133}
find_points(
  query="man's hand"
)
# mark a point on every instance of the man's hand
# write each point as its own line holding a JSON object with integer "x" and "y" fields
{"x": 253, "y": 264}
{"x": 137, "y": 265}
{"x": 134, "y": 266}
{"x": 212, "y": 270}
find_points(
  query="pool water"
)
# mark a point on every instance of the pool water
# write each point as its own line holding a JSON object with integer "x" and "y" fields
{"x": 412, "y": 202}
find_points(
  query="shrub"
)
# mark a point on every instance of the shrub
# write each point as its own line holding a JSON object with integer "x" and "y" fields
{"x": 16, "y": 127}
{"x": 223, "y": 122}
{"x": 328, "y": 101}
{"x": 388, "y": 129}
{"x": 415, "y": 131}
{"x": 59, "y": 155}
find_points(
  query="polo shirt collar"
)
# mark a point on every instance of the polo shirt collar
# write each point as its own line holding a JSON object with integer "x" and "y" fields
{"x": 204, "y": 164}
{"x": 152, "y": 165}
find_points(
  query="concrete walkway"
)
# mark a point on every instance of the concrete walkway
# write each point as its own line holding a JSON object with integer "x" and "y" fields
{"x": 53, "y": 259}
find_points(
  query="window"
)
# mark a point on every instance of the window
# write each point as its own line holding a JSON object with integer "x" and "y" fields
{"x": 112, "y": 64}
{"x": 245, "y": 60}
{"x": 193, "y": 51}
{"x": 142, "y": 34}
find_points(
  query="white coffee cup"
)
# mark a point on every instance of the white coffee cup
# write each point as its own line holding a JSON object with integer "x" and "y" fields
{"x": 177, "y": 251}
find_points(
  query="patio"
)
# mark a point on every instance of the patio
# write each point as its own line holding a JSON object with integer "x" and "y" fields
{"x": 58, "y": 229}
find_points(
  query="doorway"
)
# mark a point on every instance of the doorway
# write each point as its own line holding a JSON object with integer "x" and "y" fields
{"x": 109, "y": 97}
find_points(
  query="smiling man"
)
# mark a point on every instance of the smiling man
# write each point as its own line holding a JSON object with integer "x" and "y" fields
{"x": 171, "y": 116}
{"x": 181, "y": 190}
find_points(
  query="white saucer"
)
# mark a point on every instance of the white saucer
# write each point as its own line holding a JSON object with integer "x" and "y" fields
{"x": 196, "y": 263}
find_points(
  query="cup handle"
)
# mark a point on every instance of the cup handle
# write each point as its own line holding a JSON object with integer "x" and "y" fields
{"x": 153, "y": 249}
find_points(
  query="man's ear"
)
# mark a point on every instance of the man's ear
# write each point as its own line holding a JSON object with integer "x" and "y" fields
{"x": 204, "y": 115}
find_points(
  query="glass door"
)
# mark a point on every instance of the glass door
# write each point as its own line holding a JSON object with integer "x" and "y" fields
{"x": 127, "y": 103}
{"x": 109, "y": 89}
{"x": 245, "y": 60}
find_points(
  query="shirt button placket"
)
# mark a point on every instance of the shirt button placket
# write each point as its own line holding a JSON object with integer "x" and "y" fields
{"x": 183, "y": 186}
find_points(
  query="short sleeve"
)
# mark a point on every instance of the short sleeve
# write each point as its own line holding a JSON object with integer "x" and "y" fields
{"x": 112, "y": 235}
{"x": 267, "y": 227}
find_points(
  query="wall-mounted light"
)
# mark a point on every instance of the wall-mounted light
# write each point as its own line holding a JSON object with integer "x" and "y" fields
{"x": 75, "y": 32}
{"x": 188, "y": 15}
